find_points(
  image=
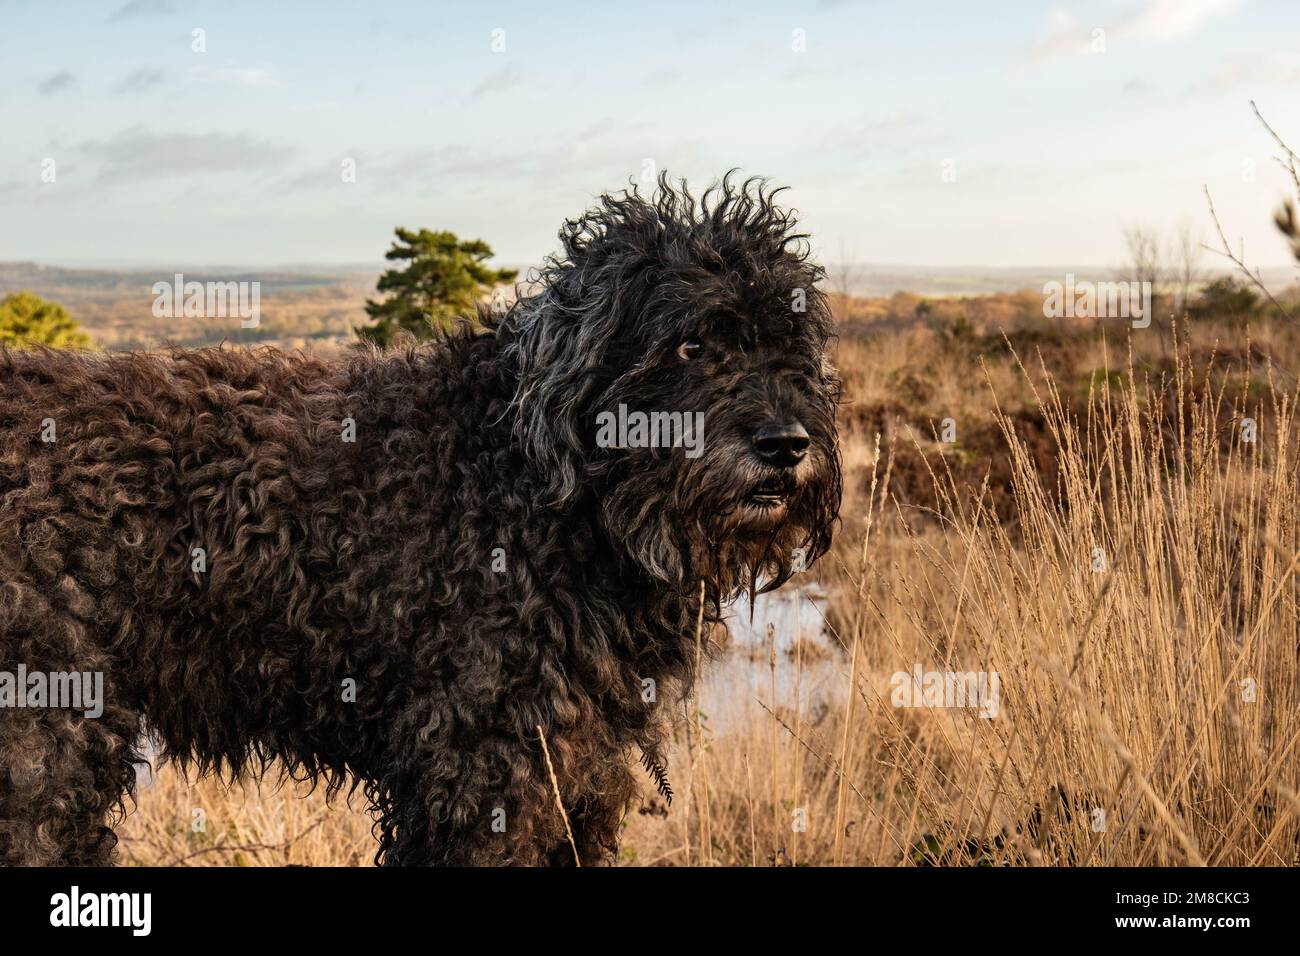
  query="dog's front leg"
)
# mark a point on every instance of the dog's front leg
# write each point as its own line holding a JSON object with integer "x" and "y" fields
{"x": 465, "y": 822}
{"x": 488, "y": 806}
{"x": 594, "y": 824}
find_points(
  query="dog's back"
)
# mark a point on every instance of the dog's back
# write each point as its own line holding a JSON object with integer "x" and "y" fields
{"x": 172, "y": 522}
{"x": 144, "y": 482}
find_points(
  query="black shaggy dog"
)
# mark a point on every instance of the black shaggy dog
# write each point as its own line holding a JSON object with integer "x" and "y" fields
{"x": 412, "y": 569}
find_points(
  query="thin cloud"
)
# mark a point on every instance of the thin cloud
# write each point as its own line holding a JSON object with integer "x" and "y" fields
{"x": 141, "y": 8}
{"x": 1164, "y": 20}
{"x": 137, "y": 155}
{"x": 600, "y": 128}
{"x": 254, "y": 76}
{"x": 1156, "y": 21}
{"x": 140, "y": 81}
{"x": 58, "y": 83}
{"x": 662, "y": 77}
{"x": 503, "y": 79}
{"x": 1065, "y": 36}
{"x": 420, "y": 171}
{"x": 1257, "y": 69}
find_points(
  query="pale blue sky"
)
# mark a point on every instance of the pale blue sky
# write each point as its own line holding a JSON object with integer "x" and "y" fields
{"x": 233, "y": 156}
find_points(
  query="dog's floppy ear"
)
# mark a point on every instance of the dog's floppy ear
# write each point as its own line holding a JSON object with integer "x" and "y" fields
{"x": 561, "y": 339}
{"x": 559, "y": 351}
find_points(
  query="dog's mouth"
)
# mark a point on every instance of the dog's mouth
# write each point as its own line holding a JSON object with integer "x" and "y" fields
{"x": 771, "y": 494}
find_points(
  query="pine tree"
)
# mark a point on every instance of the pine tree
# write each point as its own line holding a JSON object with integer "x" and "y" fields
{"x": 444, "y": 278}
{"x": 26, "y": 320}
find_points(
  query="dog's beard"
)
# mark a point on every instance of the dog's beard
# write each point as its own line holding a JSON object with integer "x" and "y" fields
{"x": 723, "y": 519}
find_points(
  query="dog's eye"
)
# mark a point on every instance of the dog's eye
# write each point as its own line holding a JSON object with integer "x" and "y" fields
{"x": 688, "y": 350}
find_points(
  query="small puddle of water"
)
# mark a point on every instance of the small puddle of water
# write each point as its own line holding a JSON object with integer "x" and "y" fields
{"x": 809, "y": 666}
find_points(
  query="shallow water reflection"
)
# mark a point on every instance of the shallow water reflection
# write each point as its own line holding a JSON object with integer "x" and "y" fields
{"x": 785, "y": 656}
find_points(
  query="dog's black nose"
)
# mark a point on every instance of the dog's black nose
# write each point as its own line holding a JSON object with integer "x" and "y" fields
{"x": 781, "y": 445}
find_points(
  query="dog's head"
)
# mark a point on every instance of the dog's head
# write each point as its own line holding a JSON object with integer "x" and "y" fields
{"x": 672, "y": 365}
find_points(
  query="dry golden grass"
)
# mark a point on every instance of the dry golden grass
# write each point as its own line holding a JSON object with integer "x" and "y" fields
{"x": 1141, "y": 610}
{"x": 179, "y": 822}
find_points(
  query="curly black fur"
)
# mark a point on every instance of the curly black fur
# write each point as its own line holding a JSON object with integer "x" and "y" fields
{"x": 375, "y": 561}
